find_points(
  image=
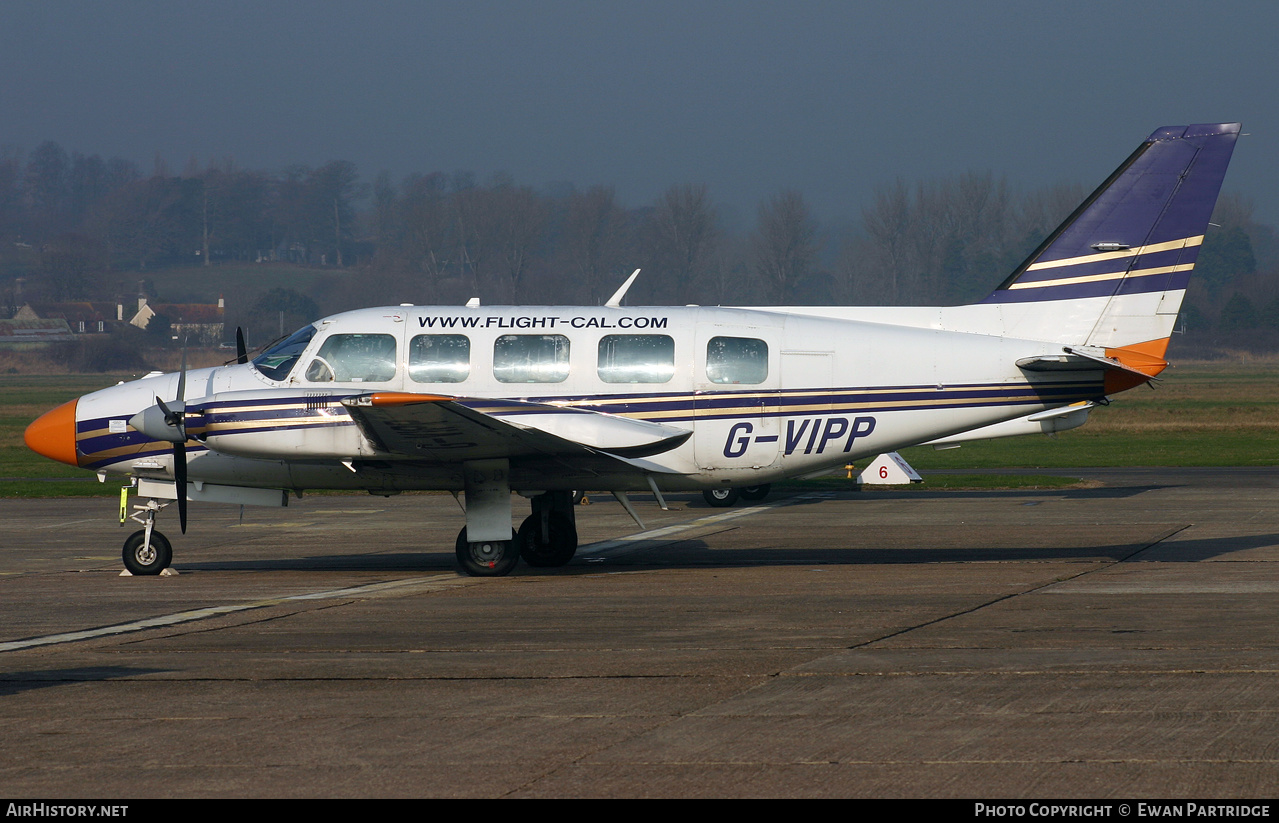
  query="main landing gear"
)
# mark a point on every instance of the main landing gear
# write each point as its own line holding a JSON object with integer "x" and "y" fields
{"x": 722, "y": 498}
{"x": 547, "y": 537}
{"x": 147, "y": 552}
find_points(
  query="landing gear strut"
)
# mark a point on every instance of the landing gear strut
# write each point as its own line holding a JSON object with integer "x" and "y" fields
{"x": 548, "y": 536}
{"x": 486, "y": 547}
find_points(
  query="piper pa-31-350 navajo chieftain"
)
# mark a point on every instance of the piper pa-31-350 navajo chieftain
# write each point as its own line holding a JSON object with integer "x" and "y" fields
{"x": 547, "y": 400}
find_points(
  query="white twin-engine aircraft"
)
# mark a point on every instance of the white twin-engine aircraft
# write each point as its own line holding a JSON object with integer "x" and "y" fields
{"x": 548, "y": 400}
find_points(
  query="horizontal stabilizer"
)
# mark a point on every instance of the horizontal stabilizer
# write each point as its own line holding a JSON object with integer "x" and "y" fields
{"x": 1044, "y": 422}
{"x": 1124, "y": 367}
{"x": 1074, "y": 359}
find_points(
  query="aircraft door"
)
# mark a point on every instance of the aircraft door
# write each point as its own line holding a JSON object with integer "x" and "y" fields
{"x": 805, "y": 402}
{"x": 736, "y": 377}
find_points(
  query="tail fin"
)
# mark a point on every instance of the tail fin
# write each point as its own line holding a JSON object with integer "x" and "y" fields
{"x": 1113, "y": 275}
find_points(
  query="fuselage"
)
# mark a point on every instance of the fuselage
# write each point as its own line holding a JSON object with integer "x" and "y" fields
{"x": 766, "y": 394}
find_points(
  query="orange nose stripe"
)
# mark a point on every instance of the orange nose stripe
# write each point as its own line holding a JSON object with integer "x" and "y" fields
{"x": 53, "y": 434}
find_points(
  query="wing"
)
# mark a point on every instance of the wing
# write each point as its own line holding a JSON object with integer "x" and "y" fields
{"x": 453, "y": 429}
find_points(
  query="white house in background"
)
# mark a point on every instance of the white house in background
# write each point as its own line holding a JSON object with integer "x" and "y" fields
{"x": 201, "y": 324}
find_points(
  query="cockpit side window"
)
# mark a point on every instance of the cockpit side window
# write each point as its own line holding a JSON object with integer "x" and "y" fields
{"x": 277, "y": 361}
{"x": 353, "y": 358}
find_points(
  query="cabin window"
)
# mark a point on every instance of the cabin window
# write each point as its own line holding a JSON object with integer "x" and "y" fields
{"x": 354, "y": 358}
{"x": 636, "y": 358}
{"x": 277, "y": 361}
{"x": 736, "y": 360}
{"x": 439, "y": 358}
{"x": 530, "y": 358}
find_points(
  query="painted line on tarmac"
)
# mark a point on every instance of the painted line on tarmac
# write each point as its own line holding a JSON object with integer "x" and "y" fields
{"x": 624, "y": 545}
{"x": 63, "y": 523}
{"x": 433, "y": 583}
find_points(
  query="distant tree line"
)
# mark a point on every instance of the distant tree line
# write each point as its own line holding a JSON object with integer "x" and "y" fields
{"x": 69, "y": 222}
{"x": 69, "y": 219}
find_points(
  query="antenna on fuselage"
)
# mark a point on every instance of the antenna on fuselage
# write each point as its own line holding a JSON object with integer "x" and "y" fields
{"x": 615, "y": 302}
{"x": 473, "y": 303}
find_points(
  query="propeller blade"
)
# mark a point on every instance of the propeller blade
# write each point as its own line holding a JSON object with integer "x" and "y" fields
{"x": 180, "y": 477}
{"x": 170, "y": 416}
{"x": 182, "y": 376}
{"x": 241, "y": 350}
{"x": 175, "y": 417}
{"x": 180, "y": 446}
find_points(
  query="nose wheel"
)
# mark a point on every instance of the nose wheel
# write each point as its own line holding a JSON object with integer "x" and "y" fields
{"x": 145, "y": 556}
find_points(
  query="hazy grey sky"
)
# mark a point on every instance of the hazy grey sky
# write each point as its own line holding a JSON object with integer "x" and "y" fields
{"x": 749, "y": 97}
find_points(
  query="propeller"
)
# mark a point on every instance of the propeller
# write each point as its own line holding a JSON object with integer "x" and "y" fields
{"x": 167, "y": 421}
{"x": 179, "y": 421}
{"x": 241, "y": 351}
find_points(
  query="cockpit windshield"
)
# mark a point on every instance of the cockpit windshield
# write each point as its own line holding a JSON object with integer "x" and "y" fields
{"x": 277, "y": 361}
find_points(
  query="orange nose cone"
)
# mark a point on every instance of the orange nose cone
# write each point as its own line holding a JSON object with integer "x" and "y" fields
{"x": 53, "y": 434}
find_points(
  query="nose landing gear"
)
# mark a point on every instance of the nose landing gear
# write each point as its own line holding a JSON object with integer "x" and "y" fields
{"x": 147, "y": 552}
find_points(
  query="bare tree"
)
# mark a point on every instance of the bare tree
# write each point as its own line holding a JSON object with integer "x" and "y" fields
{"x": 72, "y": 265}
{"x": 45, "y": 191}
{"x": 944, "y": 243}
{"x": 784, "y": 246}
{"x": 518, "y": 219}
{"x": 684, "y": 232}
{"x": 594, "y": 241}
{"x": 887, "y": 254}
{"x": 427, "y": 243}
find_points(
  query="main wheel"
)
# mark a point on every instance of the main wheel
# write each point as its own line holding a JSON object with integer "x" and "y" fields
{"x": 720, "y": 498}
{"x": 487, "y": 558}
{"x": 555, "y": 551}
{"x": 755, "y": 492}
{"x": 140, "y": 560}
